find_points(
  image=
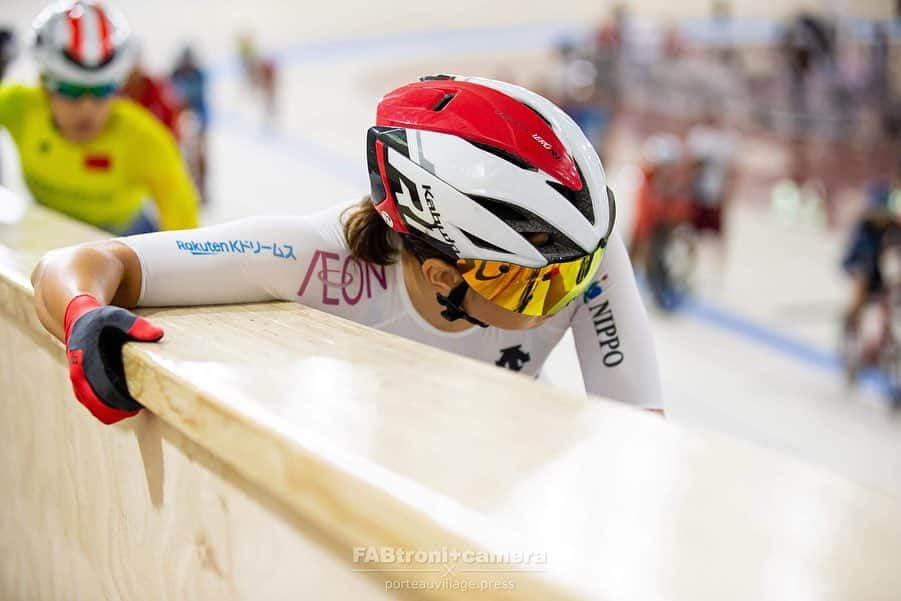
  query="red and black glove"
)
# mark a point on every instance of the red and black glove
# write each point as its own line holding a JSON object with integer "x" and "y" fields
{"x": 95, "y": 334}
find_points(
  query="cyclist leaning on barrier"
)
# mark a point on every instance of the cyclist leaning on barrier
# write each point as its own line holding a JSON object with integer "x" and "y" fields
{"x": 488, "y": 233}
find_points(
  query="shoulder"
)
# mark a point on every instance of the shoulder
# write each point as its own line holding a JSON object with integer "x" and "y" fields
{"x": 135, "y": 121}
{"x": 329, "y": 223}
{"x": 333, "y": 279}
{"x": 21, "y": 94}
{"x": 19, "y": 90}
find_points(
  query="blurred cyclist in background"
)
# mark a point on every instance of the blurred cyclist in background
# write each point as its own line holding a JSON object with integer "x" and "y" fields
{"x": 190, "y": 80}
{"x": 260, "y": 75}
{"x": 663, "y": 197}
{"x": 663, "y": 241}
{"x": 711, "y": 147}
{"x": 873, "y": 260}
{"x": 155, "y": 94}
{"x": 85, "y": 152}
{"x": 877, "y": 231}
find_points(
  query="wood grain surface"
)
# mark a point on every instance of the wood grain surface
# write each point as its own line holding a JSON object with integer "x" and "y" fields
{"x": 281, "y": 439}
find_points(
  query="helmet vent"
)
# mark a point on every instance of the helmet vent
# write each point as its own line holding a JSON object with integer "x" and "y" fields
{"x": 503, "y": 211}
{"x": 557, "y": 247}
{"x": 483, "y": 244}
{"x": 445, "y": 100}
{"x": 81, "y": 65}
{"x": 580, "y": 199}
{"x": 503, "y": 154}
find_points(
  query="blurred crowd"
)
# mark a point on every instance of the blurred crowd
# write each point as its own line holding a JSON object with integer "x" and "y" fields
{"x": 820, "y": 91}
{"x": 805, "y": 113}
{"x": 809, "y": 76}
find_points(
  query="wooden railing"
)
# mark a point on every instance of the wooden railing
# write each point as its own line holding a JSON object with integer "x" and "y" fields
{"x": 289, "y": 454}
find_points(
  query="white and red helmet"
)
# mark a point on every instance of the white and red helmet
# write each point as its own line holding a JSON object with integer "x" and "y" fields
{"x": 471, "y": 165}
{"x": 82, "y": 42}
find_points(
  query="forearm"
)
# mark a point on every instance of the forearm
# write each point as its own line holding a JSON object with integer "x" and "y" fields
{"x": 100, "y": 269}
{"x": 613, "y": 338}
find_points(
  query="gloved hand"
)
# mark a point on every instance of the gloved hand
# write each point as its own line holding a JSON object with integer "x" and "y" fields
{"x": 95, "y": 334}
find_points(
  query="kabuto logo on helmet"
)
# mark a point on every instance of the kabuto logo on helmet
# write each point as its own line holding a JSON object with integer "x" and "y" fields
{"x": 427, "y": 218}
{"x": 436, "y": 216}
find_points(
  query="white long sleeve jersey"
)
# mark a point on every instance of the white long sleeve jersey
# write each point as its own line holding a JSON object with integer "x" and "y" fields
{"x": 306, "y": 260}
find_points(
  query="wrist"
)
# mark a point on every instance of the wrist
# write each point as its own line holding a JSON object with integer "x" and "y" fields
{"x": 78, "y": 306}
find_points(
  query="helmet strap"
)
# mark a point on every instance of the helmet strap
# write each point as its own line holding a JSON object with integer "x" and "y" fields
{"x": 453, "y": 305}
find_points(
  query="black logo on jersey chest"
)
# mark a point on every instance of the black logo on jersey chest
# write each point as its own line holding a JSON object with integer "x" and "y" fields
{"x": 513, "y": 357}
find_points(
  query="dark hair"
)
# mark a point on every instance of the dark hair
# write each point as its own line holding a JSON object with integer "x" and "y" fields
{"x": 370, "y": 239}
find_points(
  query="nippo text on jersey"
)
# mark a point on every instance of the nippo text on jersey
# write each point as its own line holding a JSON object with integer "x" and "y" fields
{"x": 605, "y": 328}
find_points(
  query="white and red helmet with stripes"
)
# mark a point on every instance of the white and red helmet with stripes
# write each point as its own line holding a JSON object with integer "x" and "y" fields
{"x": 471, "y": 165}
{"x": 83, "y": 42}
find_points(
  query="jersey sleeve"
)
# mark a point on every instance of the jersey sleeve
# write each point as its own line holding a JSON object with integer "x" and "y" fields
{"x": 164, "y": 173}
{"x": 613, "y": 337}
{"x": 251, "y": 260}
{"x": 12, "y": 107}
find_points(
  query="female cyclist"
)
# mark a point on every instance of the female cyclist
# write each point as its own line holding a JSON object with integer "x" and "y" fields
{"x": 85, "y": 152}
{"x": 484, "y": 235}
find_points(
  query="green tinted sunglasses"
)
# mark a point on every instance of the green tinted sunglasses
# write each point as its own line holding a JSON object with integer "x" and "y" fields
{"x": 74, "y": 91}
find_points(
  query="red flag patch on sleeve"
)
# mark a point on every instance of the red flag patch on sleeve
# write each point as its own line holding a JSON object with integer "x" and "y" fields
{"x": 97, "y": 162}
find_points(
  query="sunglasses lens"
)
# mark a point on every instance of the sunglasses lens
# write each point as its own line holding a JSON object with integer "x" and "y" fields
{"x": 104, "y": 91}
{"x": 73, "y": 91}
{"x": 69, "y": 91}
{"x": 531, "y": 291}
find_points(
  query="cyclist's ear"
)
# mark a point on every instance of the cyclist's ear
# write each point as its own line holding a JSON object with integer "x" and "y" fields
{"x": 441, "y": 275}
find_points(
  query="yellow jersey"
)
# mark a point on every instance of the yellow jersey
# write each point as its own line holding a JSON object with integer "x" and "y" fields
{"x": 103, "y": 182}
